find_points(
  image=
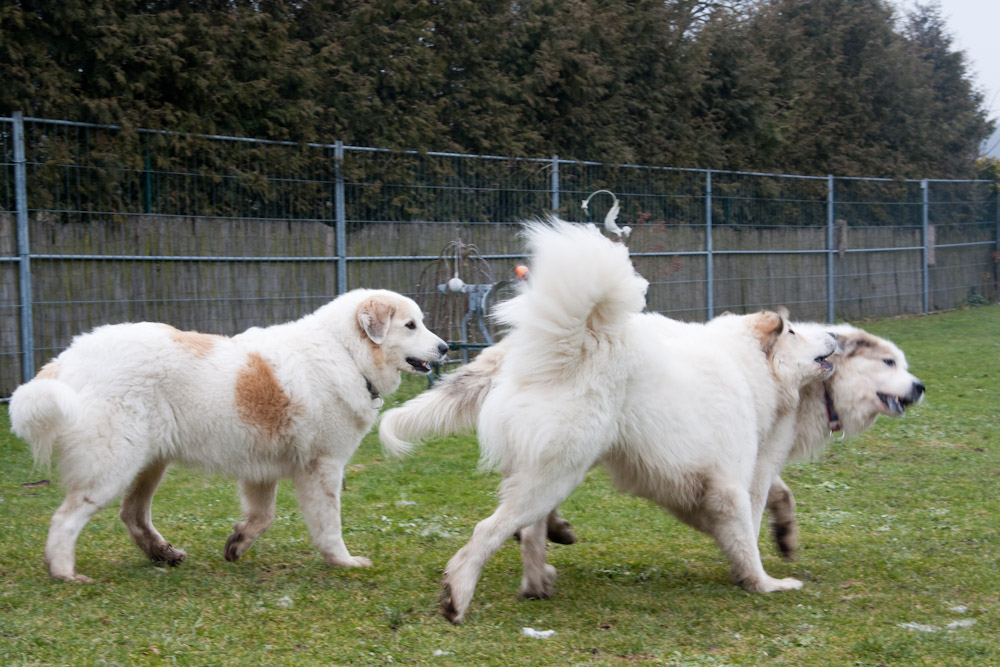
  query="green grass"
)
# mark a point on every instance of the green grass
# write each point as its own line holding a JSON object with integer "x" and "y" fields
{"x": 899, "y": 535}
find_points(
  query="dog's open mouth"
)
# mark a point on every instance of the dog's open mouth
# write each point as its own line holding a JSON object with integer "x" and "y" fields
{"x": 824, "y": 363}
{"x": 418, "y": 365}
{"x": 894, "y": 405}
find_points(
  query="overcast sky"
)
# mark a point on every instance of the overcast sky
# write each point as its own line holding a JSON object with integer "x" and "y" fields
{"x": 975, "y": 28}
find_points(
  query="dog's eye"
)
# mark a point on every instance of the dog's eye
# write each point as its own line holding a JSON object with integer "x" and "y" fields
{"x": 791, "y": 333}
{"x": 411, "y": 325}
{"x": 891, "y": 363}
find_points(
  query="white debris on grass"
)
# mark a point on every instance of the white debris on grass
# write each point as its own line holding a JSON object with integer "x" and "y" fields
{"x": 537, "y": 634}
{"x": 959, "y": 609}
{"x": 436, "y": 530}
{"x": 439, "y": 652}
{"x": 919, "y": 627}
{"x": 285, "y": 601}
{"x": 954, "y": 625}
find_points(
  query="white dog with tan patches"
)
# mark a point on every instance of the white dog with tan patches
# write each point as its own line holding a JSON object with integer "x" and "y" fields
{"x": 685, "y": 415}
{"x": 292, "y": 400}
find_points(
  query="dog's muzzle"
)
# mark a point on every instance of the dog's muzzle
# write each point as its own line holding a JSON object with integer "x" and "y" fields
{"x": 896, "y": 405}
{"x": 824, "y": 362}
{"x": 421, "y": 366}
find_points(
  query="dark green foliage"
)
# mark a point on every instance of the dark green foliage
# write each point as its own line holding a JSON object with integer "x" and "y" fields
{"x": 832, "y": 86}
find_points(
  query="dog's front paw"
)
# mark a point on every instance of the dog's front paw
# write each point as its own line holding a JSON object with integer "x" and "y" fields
{"x": 75, "y": 578}
{"x": 770, "y": 585}
{"x": 786, "y": 536}
{"x": 448, "y": 608}
{"x": 234, "y": 547}
{"x": 350, "y": 561}
{"x": 170, "y": 555}
{"x": 560, "y": 531}
{"x": 539, "y": 587}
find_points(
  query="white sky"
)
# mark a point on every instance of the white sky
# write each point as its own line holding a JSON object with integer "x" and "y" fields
{"x": 974, "y": 26}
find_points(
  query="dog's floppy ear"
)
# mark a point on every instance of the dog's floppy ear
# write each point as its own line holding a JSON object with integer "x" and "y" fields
{"x": 374, "y": 315}
{"x": 844, "y": 344}
{"x": 854, "y": 343}
{"x": 767, "y": 326}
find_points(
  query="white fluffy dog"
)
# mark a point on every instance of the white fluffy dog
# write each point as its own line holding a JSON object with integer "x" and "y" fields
{"x": 292, "y": 400}
{"x": 689, "y": 416}
{"x": 870, "y": 379}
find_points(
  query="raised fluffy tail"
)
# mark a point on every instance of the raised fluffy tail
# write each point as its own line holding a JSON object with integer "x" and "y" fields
{"x": 39, "y": 411}
{"x": 450, "y": 407}
{"x": 581, "y": 285}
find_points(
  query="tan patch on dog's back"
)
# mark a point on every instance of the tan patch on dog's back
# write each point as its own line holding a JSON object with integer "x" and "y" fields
{"x": 198, "y": 344}
{"x": 50, "y": 371}
{"x": 260, "y": 400}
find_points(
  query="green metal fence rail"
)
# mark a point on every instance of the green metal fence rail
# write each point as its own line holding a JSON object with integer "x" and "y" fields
{"x": 105, "y": 224}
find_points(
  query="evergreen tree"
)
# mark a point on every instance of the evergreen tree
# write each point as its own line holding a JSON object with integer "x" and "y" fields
{"x": 826, "y": 86}
{"x": 950, "y": 123}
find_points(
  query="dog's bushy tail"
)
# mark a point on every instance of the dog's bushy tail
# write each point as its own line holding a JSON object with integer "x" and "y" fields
{"x": 449, "y": 408}
{"x": 39, "y": 410}
{"x": 581, "y": 284}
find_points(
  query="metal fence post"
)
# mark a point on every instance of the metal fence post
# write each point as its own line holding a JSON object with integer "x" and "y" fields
{"x": 830, "y": 247}
{"x": 340, "y": 213}
{"x": 924, "y": 239}
{"x": 23, "y": 251}
{"x": 709, "y": 286}
{"x": 554, "y": 183}
{"x": 148, "y": 179}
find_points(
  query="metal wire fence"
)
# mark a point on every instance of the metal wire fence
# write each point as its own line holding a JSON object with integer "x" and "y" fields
{"x": 106, "y": 224}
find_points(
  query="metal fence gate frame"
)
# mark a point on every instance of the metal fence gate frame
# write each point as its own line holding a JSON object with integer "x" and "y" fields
{"x": 553, "y": 189}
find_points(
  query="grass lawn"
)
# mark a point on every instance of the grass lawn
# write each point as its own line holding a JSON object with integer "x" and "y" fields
{"x": 900, "y": 554}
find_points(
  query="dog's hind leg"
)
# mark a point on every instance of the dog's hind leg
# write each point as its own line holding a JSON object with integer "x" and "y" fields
{"x": 558, "y": 529}
{"x": 728, "y": 517}
{"x": 95, "y": 471}
{"x": 784, "y": 527}
{"x": 538, "y": 578}
{"x": 525, "y": 500}
{"x": 64, "y": 529}
{"x": 136, "y": 513}
{"x": 258, "y": 500}
{"x": 83, "y": 500}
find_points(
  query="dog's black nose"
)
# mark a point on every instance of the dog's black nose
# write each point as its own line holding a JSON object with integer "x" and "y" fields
{"x": 443, "y": 349}
{"x": 918, "y": 389}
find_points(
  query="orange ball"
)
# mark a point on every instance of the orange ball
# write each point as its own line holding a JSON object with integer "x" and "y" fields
{"x": 521, "y": 271}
